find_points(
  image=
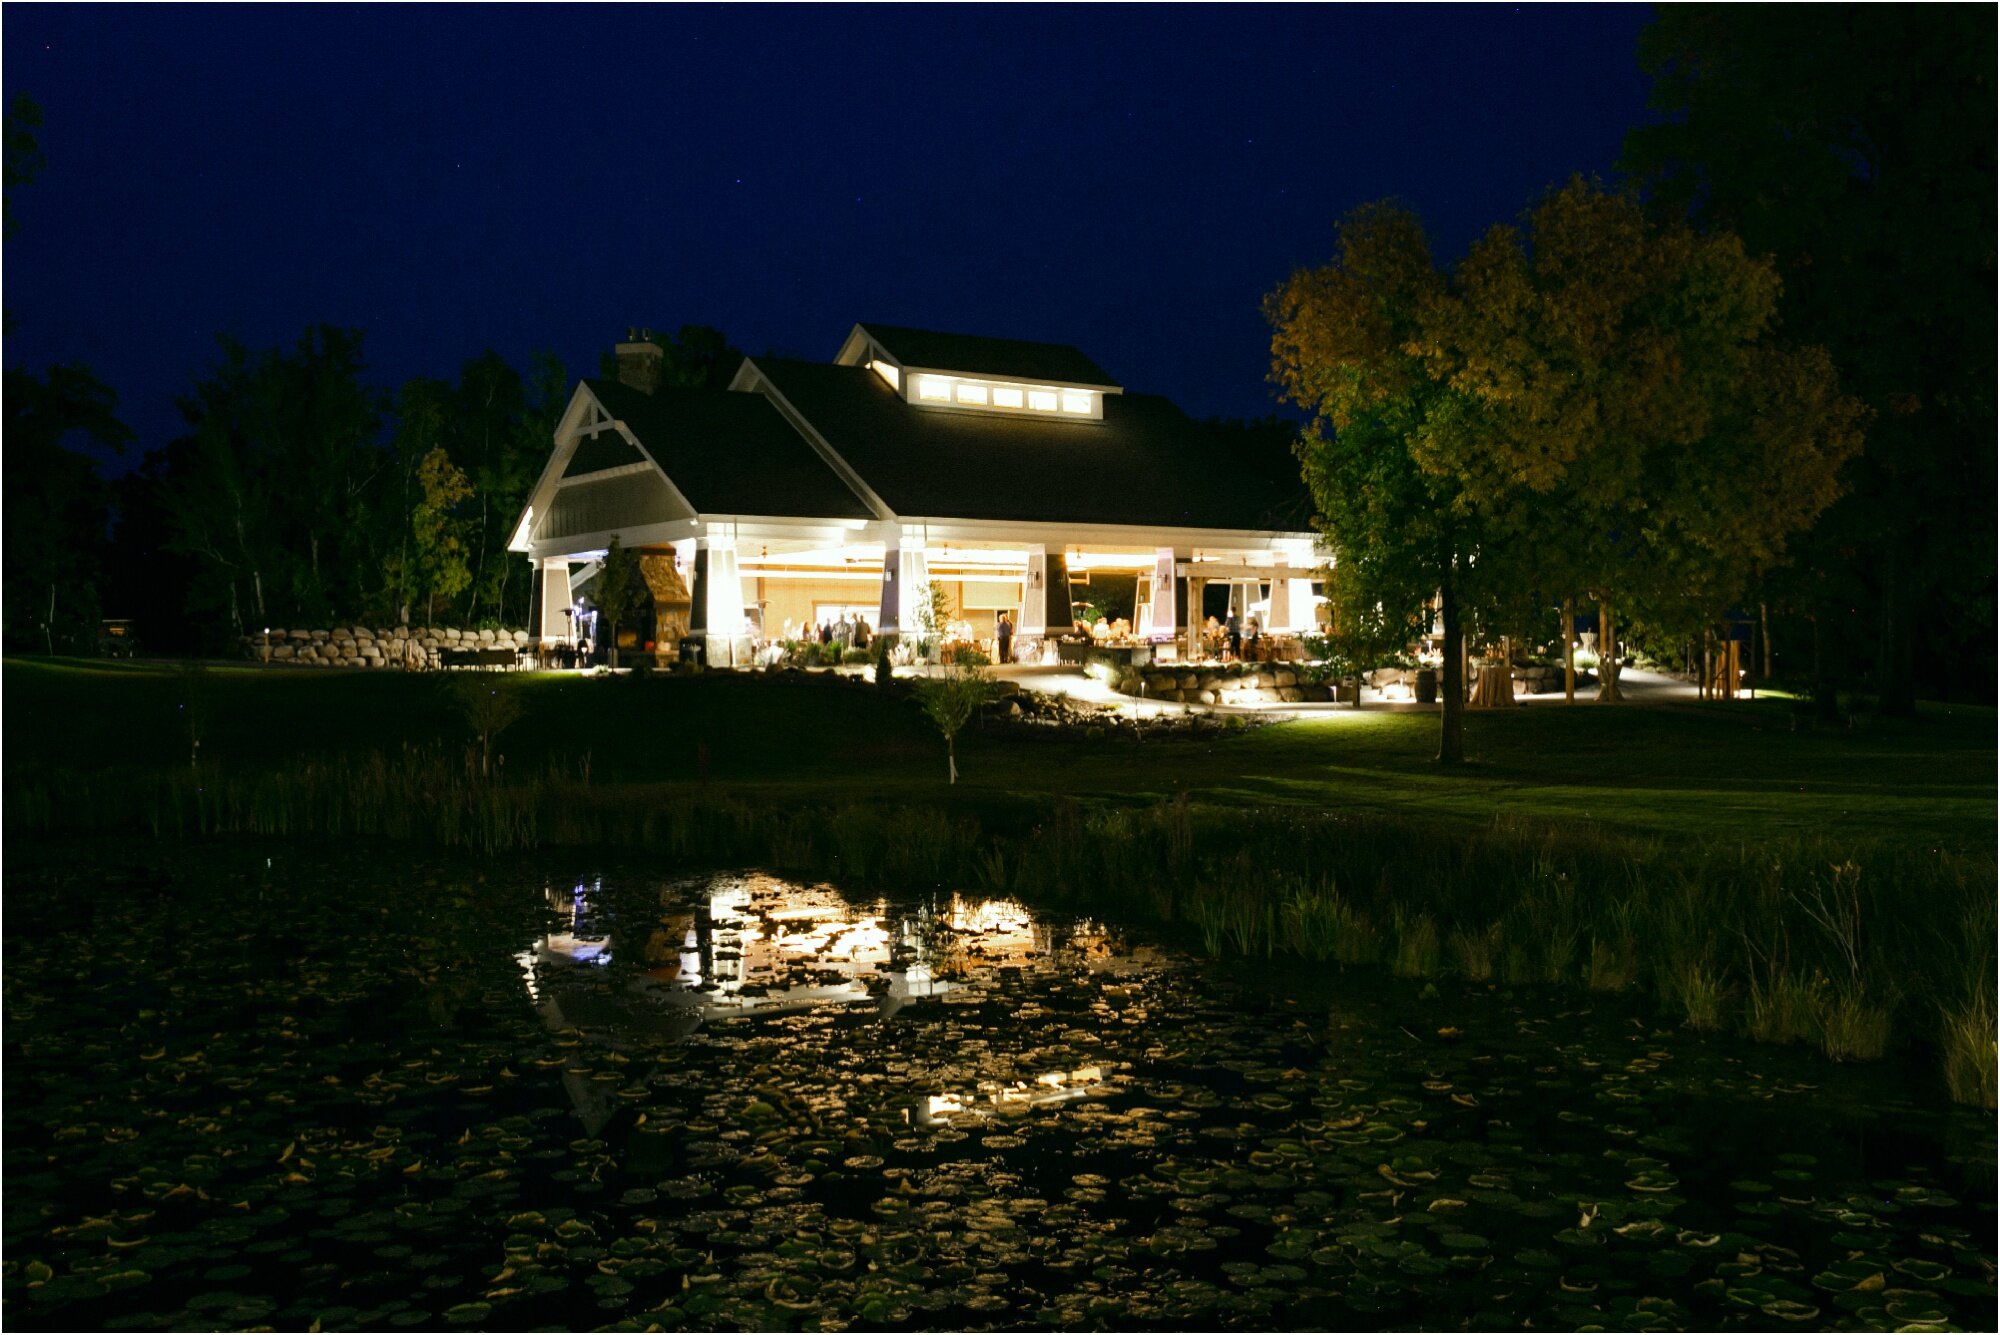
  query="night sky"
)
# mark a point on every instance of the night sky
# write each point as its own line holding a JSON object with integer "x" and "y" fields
{"x": 1131, "y": 180}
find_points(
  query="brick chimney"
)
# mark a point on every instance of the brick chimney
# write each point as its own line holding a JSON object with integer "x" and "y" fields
{"x": 639, "y": 360}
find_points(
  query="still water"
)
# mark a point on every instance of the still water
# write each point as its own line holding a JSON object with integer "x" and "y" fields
{"x": 370, "y": 1092}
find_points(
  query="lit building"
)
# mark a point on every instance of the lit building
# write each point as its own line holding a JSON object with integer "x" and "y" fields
{"x": 1006, "y": 471}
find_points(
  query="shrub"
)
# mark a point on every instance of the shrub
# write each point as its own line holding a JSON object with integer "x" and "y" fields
{"x": 1781, "y": 1006}
{"x": 856, "y": 657}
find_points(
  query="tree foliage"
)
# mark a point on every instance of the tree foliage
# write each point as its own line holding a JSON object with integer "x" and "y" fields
{"x": 1623, "y": 412}
{"x": 621, "y": 590}
{"x": 1346, "y": 346}
{"x": 1590, "y": 401}
{"x": 949, "y": 700}
{"x": 58, "y": 507}
{"x": 438, "y": 534}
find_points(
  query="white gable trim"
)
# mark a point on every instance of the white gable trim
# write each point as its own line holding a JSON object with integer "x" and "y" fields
{"x": 749, "y": 378}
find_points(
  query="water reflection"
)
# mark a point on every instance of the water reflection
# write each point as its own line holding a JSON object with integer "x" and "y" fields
{"x": 617, "y": 968}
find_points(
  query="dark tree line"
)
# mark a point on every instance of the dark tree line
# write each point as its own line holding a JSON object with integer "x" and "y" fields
{"x": 1855, "y": 146}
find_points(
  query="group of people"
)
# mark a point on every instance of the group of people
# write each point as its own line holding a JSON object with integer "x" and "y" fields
{"x": 1235, "y": 638}
{"x": 848, "y": 633}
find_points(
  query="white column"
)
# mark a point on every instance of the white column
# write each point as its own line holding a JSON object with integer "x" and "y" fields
{"x": 1280, "y": 612}
{"x": 913, "y": 587}
{"x": 1305, "y": 618}
{"x": 1035, "y": 595}
{"x": 556, "y": 628}
{"x": 1163, "y": 625}
{"x": 725, "y": 600}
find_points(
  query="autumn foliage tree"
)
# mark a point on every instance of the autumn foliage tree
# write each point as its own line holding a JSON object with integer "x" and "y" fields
{"x": 1622, "y": 409}
{"x": 1347, "y": 346}
{"x": 1590, "y": 400}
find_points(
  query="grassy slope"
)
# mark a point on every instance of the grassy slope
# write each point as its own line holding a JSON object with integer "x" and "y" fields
{"x": 1735, "y": 771}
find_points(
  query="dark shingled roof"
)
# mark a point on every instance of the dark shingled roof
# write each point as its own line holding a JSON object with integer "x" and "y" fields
{"x": 1145, "y": 463}
{"x": 1007, "y": 358}
{"x": 731, "y": 454}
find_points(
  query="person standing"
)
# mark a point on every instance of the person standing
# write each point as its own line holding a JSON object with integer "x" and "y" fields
{"x": 1004, "y": 633}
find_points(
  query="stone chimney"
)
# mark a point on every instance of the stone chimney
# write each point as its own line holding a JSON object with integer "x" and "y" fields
{"x": 639, "y": 360}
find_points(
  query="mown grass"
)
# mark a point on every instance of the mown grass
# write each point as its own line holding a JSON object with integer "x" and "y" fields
{"x": 1850, "y": 934}
{"x": 1725, "y": 771}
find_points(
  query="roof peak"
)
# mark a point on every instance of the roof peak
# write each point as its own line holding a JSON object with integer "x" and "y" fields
{"x": 982, "y": 355}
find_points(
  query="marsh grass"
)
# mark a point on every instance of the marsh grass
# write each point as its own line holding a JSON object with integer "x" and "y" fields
{"x": 1782, "y": 1006}
{"x": 1418, "y": 954}
{"x": 1700, "y": 995}
{"x": 1851, "y": 1024}
{"x": 1474, "y": 951}
{"x": 1970, "y": 1052}
{"x": 1798, "y": 942}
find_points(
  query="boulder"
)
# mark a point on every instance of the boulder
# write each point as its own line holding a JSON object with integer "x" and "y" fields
{"x": 400, "y": 633}
{"x": 486, "y": 637}
{"x": 1189, "y": 681}
{"x": 1283, "y": 678}
{"x": 1206, "y": 697}
{"x": 280, "y": 652}
{"x": 371, "y": 650}
{"x": 1290, "y": 694}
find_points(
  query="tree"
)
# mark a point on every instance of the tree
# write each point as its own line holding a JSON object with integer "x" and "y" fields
{"x": 949, "y": 700}
{"x": 1860, "y": 155}
{"x": 620, "y": 591}
{"x": 23, "y": 153}
{"x": 1344, "y": 347}
{"x": 1621, "y": 408}
{"x": 270, "y": 491}
{"x": 489, "y": 703}
{"x": 438, "y": 535}
{"x": 58, "y": 508}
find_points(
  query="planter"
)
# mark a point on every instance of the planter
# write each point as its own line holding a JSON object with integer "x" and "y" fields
{"x": 1427, "y": 686}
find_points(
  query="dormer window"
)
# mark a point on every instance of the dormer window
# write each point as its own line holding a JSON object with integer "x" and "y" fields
{"x": 979, "y": 394}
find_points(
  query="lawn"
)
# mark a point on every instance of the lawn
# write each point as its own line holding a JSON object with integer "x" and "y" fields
{"x": 1731, "y": 771}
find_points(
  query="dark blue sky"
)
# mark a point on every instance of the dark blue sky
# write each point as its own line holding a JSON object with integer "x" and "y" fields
{"x": 1128, "y": 179}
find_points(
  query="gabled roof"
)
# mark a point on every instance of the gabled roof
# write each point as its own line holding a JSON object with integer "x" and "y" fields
{"x": 1145, "y": 463}
{"x": 729, "y": 454}
{"x": 999, "y": 358}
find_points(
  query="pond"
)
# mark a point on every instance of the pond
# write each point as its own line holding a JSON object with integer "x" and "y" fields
{"x": 283, "y": 1086}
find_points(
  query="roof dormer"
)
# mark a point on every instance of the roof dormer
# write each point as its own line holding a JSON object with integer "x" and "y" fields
{"x": 967, "y": 373}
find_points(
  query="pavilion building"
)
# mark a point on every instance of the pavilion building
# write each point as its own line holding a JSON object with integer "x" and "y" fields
{"x": 1007, "y": 471}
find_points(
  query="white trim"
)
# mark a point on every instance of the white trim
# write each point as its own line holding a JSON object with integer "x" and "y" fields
{"x": 752, "y": 378}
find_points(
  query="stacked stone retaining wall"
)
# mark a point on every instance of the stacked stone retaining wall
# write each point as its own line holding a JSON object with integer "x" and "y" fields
{"x": 363, "y": 647}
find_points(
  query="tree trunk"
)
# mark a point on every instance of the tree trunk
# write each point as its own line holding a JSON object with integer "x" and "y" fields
{"x": 1707, "y": 691}
{"x": 951, "y": 759}
{"x": 1607, "y": 655}
{"x": 1764, "y": 634}
{"x": 1451, "y": 719}
{"x": 49, "y": 624}
{"x": 1569, "y": 651}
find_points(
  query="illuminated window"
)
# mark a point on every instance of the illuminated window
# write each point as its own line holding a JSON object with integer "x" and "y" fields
{"x": 889, "y": 373}
{"x": 937, "y": 391}
{"x": 1042, "y": 400}
{"x": 1075, "y": 403}
{"x": 972, "y": 393}
{"x": 1006, "y": 398}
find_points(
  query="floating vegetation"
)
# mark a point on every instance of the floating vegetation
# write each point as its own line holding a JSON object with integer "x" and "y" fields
{"x": 360, "y": 1091}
